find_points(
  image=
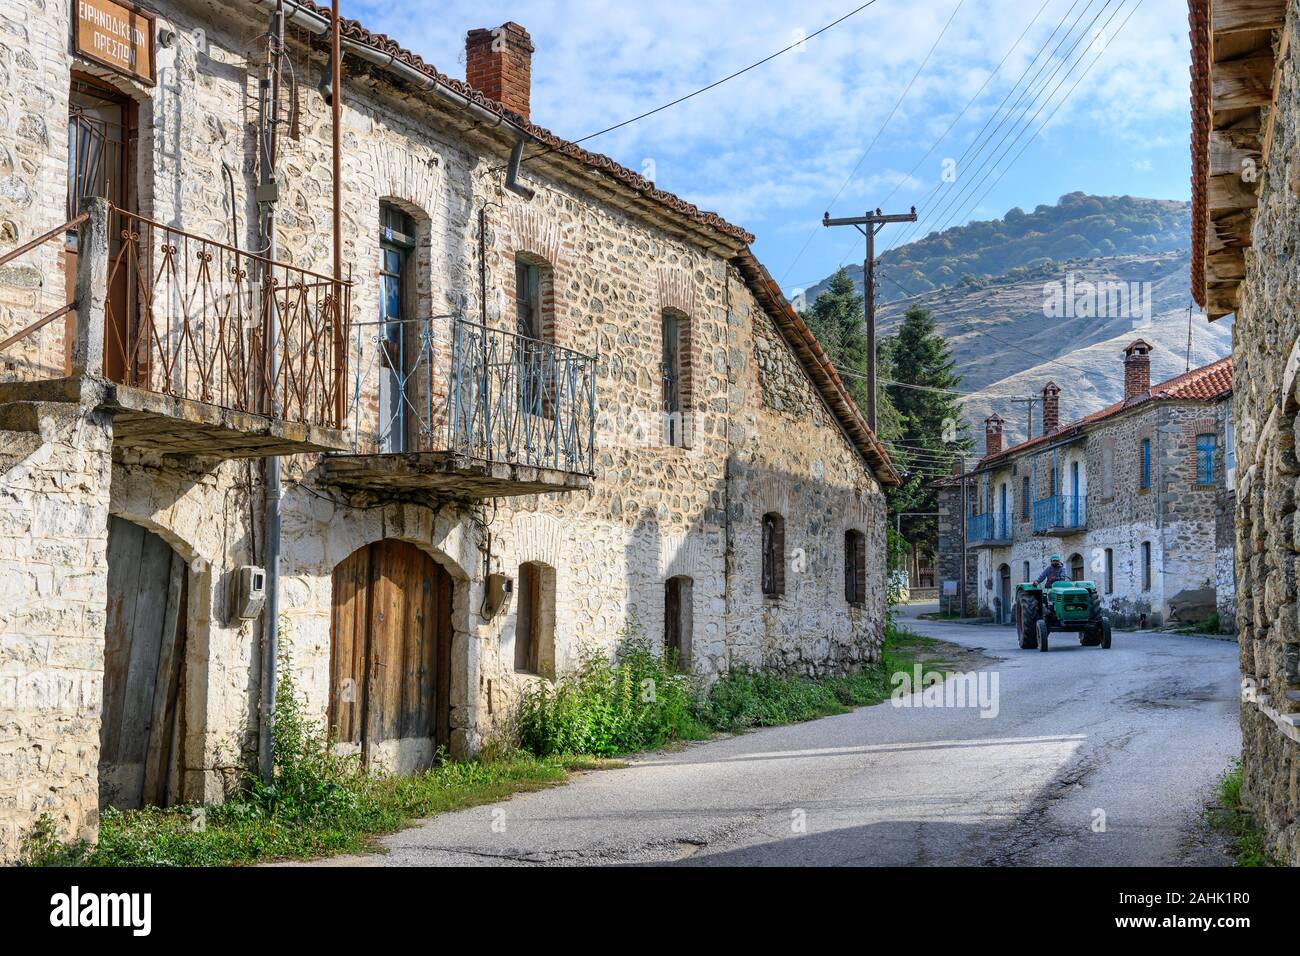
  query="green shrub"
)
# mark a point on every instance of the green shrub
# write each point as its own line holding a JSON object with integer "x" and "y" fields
{"x": 1230, "y": 816}
{"x": 634, "y": 702}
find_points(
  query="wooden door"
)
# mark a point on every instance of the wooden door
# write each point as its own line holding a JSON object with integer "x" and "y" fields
{"x": 102, "y": 129}
{"x": 390, "y": 655}
{"x": 144, "y": 655}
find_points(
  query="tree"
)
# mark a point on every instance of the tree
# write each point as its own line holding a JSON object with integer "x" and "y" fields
{"x": 836, "y": 319}
{"x": 932, "y": 434}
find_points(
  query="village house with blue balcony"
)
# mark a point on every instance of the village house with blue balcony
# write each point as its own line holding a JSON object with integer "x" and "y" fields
{"x": 1137, "y": 497}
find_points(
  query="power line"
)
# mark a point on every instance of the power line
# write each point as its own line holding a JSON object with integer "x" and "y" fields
{"x": 906, "y": 236}
{"x": 967, "y": 207}
{"x": 716, "y": 83}
{"x": 1060, "y": 103}
{"x": 897, "y": 103}
{"x": 956, "y": 119}
{"x": 1032, "y": 91}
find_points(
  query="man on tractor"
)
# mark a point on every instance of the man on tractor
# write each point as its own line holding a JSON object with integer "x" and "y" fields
{"x": 1053, "y": 572}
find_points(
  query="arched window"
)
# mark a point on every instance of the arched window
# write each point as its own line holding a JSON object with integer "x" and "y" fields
{"x": 1146, "y": 565}
{"x": 676, "y": 373}
{"x": 535, "y": 620}
{"x": 1076, "y": 567}
{"x": 1110, "y": 571}
{"x": 678, "y": 620}
{"x": 855, "y": 567}
{"x": 773, "y": 554}
{"x": 1028, "y": 576}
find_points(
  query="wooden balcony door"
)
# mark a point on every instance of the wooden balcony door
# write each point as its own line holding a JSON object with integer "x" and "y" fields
{"x": 101, "y": 162}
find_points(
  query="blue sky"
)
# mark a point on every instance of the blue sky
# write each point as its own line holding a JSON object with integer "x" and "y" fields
{"x": 772, "y": 149}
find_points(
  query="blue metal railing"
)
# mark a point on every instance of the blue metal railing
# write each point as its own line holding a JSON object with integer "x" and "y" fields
{"x": 990, "y": 526}
{"x": 1060, "y": 511}
{"x": 517, "y": 399}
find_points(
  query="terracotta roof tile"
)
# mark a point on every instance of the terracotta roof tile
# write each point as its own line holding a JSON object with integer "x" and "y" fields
{"x": 1200, "y": 384}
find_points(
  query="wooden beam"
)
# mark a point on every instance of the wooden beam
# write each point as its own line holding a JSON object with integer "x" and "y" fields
{"x": 1227, "y": 265}
{"x": 1242, "y": 83}
{"x": 1238, "y": 16}
{"x": 1229, "y": 155}
{"x": 1229, "y": 191}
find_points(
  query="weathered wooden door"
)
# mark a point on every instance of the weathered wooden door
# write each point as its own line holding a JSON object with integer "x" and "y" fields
{"x": 144, "y": 659}
{"x": 390, "y": 655}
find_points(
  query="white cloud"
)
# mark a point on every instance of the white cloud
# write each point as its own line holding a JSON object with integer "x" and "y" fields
{"x": 772, "y": 147}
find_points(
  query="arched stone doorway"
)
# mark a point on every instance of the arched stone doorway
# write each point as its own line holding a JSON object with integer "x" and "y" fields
{"x": 390, "y": 656}
{"x": 145, "y": 634}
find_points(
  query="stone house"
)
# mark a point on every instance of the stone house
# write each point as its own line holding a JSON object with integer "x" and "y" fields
{"x": 1245, "y": 224}
{"x": 546, "y": 406}
{"x": 1136, "y": 497}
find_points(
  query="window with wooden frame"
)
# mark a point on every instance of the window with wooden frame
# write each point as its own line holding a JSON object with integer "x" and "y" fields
{"x": 855, "y": 567}
{"x": 1144, "y": 465}
{"x": 773, "y": 554}
{"x": 1024, "y": 497}
{"x": 675, "y": 370}
{"x": 535, "y": 620}
{"x": 534, "y": 324}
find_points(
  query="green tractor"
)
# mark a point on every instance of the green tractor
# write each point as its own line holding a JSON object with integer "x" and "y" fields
{"x": 1064, "y": 606}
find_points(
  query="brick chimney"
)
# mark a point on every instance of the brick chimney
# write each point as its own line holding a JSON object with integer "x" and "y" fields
{"x": 1051, "y": 407}
{"x": 1137, "y": 369}
{"x": 498, "y": 64}
{"x": 992, "y": 435}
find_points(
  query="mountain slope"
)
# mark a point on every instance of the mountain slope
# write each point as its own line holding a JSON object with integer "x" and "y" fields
{"x": 1007, "y": 342}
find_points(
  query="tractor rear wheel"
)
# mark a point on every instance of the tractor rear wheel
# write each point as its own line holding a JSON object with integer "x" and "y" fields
{"x": 1042, "y": 635}
{"x": 1027, "y": 617}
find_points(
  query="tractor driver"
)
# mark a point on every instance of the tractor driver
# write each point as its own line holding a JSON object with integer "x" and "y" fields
{"x": 1053, "y": 572}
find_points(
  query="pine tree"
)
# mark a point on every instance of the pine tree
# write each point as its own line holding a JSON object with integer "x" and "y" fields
{"x": 836, "y": 320}
{"x": 932, "y": 434}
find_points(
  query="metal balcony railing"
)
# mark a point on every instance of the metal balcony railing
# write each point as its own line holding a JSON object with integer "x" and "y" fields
{"x": 516, "y": 399}
{"x": 197, "y": 319}
{"x": 990, "y": 526}
{"x": 1060, "y": 512}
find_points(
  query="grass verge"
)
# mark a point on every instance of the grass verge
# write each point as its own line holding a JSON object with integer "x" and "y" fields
{"x": 320, "y": 803}
{"x": 640, "y": 701}
{"x": 1230, "y": 817}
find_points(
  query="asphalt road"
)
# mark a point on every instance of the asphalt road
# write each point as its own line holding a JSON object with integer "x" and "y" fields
{"x": 1094, "y": 757}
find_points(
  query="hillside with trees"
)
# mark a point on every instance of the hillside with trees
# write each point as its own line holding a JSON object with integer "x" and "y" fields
{"x": 1021, "y": 243}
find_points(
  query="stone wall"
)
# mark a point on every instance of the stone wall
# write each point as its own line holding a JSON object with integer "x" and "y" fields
{"x": 1266, "y": 352}
{"x": 54, "y": 502}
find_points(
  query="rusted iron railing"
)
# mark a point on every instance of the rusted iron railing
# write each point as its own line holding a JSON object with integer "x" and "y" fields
{"x": 56, "y": 233}
{"x": 192, "y": 318}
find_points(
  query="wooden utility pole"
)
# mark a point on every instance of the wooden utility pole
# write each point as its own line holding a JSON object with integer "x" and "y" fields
{"x": 1029, "y": 414}
{"x": 869, "y": 225}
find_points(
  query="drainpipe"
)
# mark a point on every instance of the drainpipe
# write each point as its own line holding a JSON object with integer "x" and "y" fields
{"x": 271, "y": 610}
